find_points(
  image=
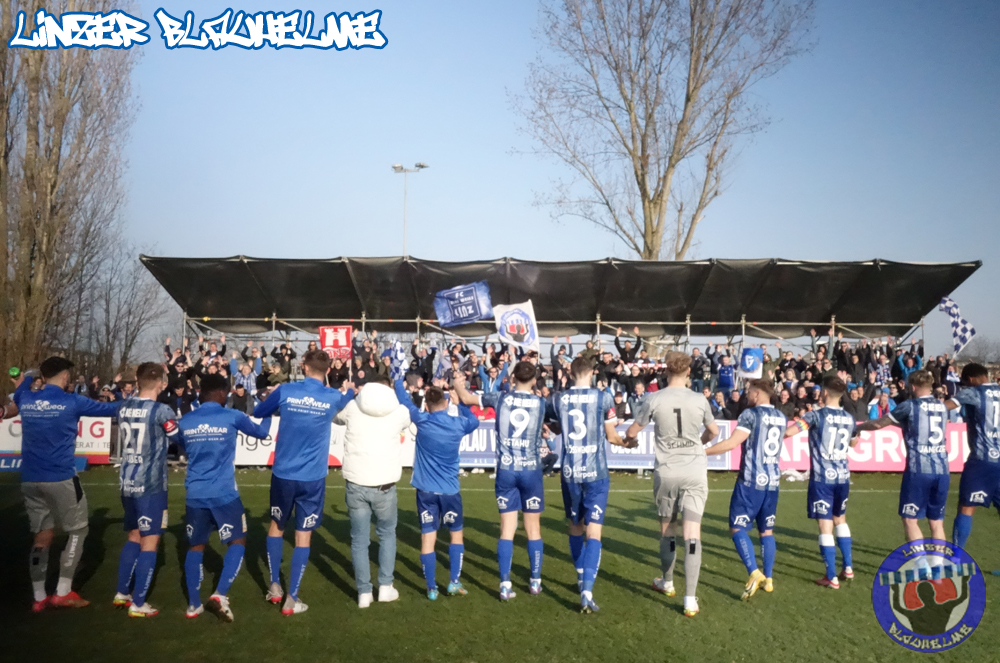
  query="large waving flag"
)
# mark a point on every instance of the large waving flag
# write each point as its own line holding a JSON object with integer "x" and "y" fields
{"x": 516, "y": 325}
{"x": 961, "y": 331}
{"x": 463, "y": 304}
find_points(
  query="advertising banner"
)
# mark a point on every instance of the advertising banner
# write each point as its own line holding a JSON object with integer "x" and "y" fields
{"x": 93, "y": 440}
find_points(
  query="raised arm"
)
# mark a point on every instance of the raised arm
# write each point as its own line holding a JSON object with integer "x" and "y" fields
{"x": 416, "y": 416}
{"x": 464, "y": 395}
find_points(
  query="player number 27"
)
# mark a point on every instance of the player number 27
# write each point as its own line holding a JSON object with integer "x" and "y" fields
{"x": 131, "y": 436}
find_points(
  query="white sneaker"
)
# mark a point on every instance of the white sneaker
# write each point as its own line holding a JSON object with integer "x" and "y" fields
{"x": 365, "y": 600}
{"x": 144, "y": 610}
{"x": 690, "y": 606}
{"x": 274, "y": 593}
{"x": 218, "y": 605}
{"x": 293, "y": 606}
{"x": 387, "y": 594}
{"x": 664, "y": 587}
{"x": 193, "y": 612}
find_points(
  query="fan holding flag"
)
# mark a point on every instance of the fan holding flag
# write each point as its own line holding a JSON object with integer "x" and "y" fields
{"x": 961, "y": 330}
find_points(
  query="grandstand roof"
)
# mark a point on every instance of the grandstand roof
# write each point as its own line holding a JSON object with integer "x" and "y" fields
{"x": 783, "y": 298}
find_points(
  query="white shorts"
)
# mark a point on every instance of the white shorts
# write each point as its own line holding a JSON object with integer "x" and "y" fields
{"x": 680, "y": 496}
{"x": 51, "y": 503}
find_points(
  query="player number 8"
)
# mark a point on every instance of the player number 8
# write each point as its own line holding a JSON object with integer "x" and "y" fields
{"x": 772, "y": 445}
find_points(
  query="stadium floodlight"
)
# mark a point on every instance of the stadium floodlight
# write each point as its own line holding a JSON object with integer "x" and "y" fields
{"x": 398, "y": 168}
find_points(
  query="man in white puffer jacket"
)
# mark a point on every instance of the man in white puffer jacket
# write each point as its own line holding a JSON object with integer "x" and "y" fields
{"x": 372, "y": 466}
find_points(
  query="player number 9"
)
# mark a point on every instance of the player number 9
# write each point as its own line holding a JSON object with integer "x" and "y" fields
{"x": 519, "y": 419}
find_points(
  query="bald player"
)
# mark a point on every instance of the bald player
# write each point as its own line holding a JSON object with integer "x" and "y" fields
{"x": 683, "y": 424}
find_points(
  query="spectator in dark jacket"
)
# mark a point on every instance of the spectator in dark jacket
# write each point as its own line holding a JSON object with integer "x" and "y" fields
{"x": 701, "y": 370}
{"x": 180, "y": 399}
{"x": 628, "y": 354}
{"x": 425, "y": 361}
{"x": 241, "y": 400}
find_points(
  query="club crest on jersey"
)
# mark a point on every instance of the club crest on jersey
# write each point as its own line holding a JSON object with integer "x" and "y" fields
{"x": 831, "y": 474}
{"x": 762, "y": 479}
{"x": 741, "y": 520}
{"x": 843, "y": 505}
{"x": 822, "y": 507}
{"x": 533, "y": 503}
{"x": 145, "y": 523}
{"x": 910, "y": 509}
{"x": 502, "y": 502}
{"x": 929, "y": 595}
{"x": 276, "y": 512}
{"x": 190, "y": 530}
{"x": 426, "y": 517}
{"x": 449, "y": 518}
{"x": 225, "y": 531}
{"x": 979, "y": 497}
{"x": 506, "y": 459}
{"x": 310, "y": 520}
{"x": 769, "y": 522}
{"x": 596, "y": 513}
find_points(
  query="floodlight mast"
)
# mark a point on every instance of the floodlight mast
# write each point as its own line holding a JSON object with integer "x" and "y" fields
{"x": 398, "y": 168}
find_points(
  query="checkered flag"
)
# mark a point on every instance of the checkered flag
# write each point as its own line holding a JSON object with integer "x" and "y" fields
{"x": 961, "y": 331}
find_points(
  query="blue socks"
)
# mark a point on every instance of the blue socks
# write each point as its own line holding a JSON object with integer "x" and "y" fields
{"x": 126, "y": 565}
{"x": 843, "y": 533}
{"x": 961, "y": 530}
{"x": 274, "y": 548}
{"x": 300, "y": 557}
{"x": 505, "y": 555}
{"x": 591, "y": 563}
{"x": 231, "y": 566}
{"x": 535, "y": 552}
{"x": 456, "y": 552}
{"x": 576, "y": 552}
{"x": 193, "y": 576}
{"x": 144, "y": 567}
{"x": 744, "y": 548}
{"x": 428, "y": 562}
{"x": 829, "y": 553}
{"x": 767, "y": 552}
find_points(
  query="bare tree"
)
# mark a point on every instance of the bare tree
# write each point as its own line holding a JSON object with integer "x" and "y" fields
{"x": 65, "y": 115}
{"x": 644, "y": 99}
{"x": 981, "y": 349}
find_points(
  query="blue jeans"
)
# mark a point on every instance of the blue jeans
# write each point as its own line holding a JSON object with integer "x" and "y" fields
{"x": 362, "y": 503}
{"x": 697, "y": 384}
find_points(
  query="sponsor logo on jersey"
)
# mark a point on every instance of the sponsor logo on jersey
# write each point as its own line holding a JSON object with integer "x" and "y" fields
{"x": 276, "y": 512}
{"x": 822, "y": 507}
{"x": 426, "y": 517}
{"x": 449, "y": 518}
{"x": 762, "y": 479}
{"x": 42, "y": 406}
{"x": 309, "y": 402}
{"x": 310, "y": 520}
{"x": 929, "y": 595}
{"x": 506, "y": 460}
{"x": 132, "y": 413}
{"x": 910, "y": 509}
{"x": 225, "y": 531}
{"x": 831, "y": 473}
{"x": 533, "y": 503}
{"x": 502, "y": 502}
{"x": 994, "y": 453}
{"x": 567, "y": 471}
{"x": 979, "y": 497}
{"x": 145, "y": 523}
{"x": 205, "y": 429}
{"x": 190, "y": 530}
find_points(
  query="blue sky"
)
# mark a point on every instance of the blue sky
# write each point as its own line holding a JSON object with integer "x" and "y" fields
{"x": 883, "y": 143}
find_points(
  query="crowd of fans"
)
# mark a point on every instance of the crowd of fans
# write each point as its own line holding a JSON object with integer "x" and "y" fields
{"x": 875, "y": 371}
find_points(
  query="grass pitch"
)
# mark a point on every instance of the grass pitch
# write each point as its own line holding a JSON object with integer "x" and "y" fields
{"x": 798, "y": 622}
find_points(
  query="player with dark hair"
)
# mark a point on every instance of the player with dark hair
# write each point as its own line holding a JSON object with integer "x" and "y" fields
{"x": 520, "y": 415}
{"x": 831, "y": 434}
{"x": 582, "y": 413}
{"x": 760, "y": 429}
{"x": 435, "y": 476}
{"x": 980, "y": 484}
{"x": 146, "y": 429}
{"x": 209, "y": 437}
{"x": 52, "y": 493}
{"x": 924, "y": 490}
{"x": 301, "y": 464}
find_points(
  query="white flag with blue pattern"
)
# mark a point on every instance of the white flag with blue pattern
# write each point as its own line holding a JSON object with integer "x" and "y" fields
{"x": 961, "y": 330}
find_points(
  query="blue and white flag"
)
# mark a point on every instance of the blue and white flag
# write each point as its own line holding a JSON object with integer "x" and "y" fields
{"x": 463, "y": 304}
{"x": 751, "y": 363}
{"x": 516, "y": 325}
{"x": 961, "y": 331}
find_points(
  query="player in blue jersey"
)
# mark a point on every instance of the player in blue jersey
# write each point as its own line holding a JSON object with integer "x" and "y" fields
{"x": 209, "y": 437}
{"x": 52, "y": 493}
{"x": 980, "y": 484}
{"x": 520, "y": 416}
{"x": 582, "y": 413}
{"x": 145, "y": 429}
{"x": 831, "y": 433}
{"x": 435, "y": 476}
{"x": 760, "y": 429}
{"x": 924, "y": 490}
{"x": 301, "y": 463}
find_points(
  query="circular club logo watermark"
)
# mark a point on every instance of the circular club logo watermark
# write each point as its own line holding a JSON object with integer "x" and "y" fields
{"x": 929, "y": 595}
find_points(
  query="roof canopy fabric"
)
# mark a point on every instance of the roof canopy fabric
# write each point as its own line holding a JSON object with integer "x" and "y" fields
{"x": 775, "y": 298}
